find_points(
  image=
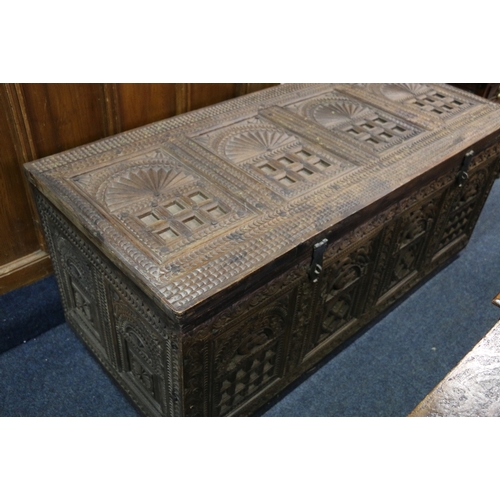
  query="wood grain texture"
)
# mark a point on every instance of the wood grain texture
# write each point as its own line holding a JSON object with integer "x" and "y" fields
{"x": 143, "y": 103}
{"x": 17, "y": 227}
{"x": 184, "y": 248}
{"x": 26, "y": 270}
{"x": 63, "y": 116}
{"x": 208, "y": 204}
{"x": 41, "y": 119}
{"x": 205, "y": 94}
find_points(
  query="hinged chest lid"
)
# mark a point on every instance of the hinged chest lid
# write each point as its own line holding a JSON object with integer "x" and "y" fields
{"x": 191, "y": 206}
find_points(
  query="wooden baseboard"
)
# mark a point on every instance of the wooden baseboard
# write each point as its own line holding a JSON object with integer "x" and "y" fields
{"x": 24, "y": 271}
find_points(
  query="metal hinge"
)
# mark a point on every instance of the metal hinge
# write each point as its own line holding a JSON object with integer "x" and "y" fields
{"x": 462, "y": 175}
{"x": 317, "y": 260}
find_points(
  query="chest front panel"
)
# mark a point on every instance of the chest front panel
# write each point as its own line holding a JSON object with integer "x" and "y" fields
{"x": 184, "y": 249}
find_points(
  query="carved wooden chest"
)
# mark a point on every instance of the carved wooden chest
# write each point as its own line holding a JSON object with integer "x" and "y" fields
{"x": 210, "y": 259}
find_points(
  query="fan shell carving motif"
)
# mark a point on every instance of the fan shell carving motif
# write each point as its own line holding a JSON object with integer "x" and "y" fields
{"x": 329, "y": 114}
{"x": 403, "y": 91}
{"x": 141, "y": 184}
{"x": 252, "y": 143}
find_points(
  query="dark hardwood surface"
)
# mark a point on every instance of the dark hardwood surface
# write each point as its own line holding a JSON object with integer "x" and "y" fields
{"x": 337, "y": 136}
{"x": 37, "y": 120}
{"x": 487, "y": 90}
{"x": 211, "y": 258}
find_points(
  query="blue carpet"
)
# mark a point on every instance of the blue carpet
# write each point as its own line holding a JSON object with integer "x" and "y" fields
{"x": 28, "y": 312}
{"x": 386, "y": 371}
{"x": 55, "y": 375}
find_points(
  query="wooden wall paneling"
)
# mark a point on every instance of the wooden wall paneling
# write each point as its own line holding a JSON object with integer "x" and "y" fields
{"x": 143, "y": 103}
{"x": 205, "y": 94}
{"x": 42, "y": 119}
{"x": 16, "y": 221}
{"x": 111, "y": 112}
{"x": 22, "y": 259}
{"x": 23, "y": 142}
{"x": 247, "y": 88}
{"x": 182, "y": 98}
{"x": 191, "y": 96}
{"x": 38, "y": 120}
{"x": 63, "y": 116}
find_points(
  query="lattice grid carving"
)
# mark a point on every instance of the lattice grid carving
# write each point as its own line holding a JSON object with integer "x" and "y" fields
{"x": 248, "y": 358}
{"x": 360, "y": 121}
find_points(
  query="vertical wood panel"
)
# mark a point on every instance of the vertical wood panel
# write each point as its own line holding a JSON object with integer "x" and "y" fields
{"x": 143, "y": 103}
{"x": 247, "y": 88}
{"x": 205, "y": 94}
{"x": 254, "y": 87}
{"x": 63, "y": 116}
{"x": 23, "y": 141}
{"x": 17, "y": 227}
{"x": 110, "y": 108}
{"x": 182, "y": 98}
{"x": 38, "y": 120}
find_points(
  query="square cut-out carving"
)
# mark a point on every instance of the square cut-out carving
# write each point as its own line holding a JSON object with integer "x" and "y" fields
{"x": 193, "y": 223}
{"x": 216, "y": 211}
{"x": 437, "y": 111}
{"x": 353, "y": 131}
{"x": 149, "y": 219}
{"x": 380, "y": 120}
{"x": 285, "y": 161}
{"x": 199, "y": 197}
{"x": 303, "y": 154}
{"x": 367, "y": 125}
{"x": 397, "y": 128}
{"x": 372, "y": 140}
{"x": 322, "y": 165}
{"x": 168, "y": 234}
{"x": 174, "y": 208}
{"x": 386, "y": 135}
{"x": 458, "y": 103}
{"x": 267, "y": 169}
{"x": 304, "y": 172}
{"x": 287, "y": 181}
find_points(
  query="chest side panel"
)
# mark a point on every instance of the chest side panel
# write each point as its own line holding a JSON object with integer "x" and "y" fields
{"x": 134, "y": 340}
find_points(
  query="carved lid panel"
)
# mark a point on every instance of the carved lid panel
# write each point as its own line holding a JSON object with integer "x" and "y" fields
{"x": 162, "y": 204}
{"x": 195, "y": 204}
{"x": 286, "y": 163}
